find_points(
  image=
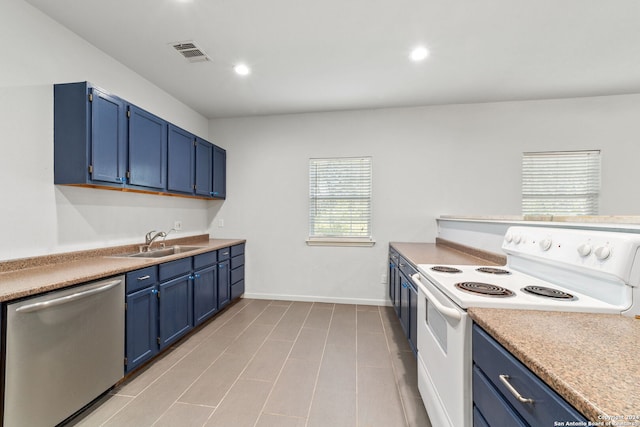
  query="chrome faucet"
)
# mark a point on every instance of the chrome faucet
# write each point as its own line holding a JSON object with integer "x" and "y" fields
{"x": 150, "y": 237}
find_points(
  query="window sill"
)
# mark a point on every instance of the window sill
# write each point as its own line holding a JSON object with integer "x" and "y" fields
{"x": 337, "y": 241}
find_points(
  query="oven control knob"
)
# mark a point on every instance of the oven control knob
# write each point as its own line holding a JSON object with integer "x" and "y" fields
{"x": 545, "y": 244}
{"x": 584, "y": 250}
{"x": 508, "y": 237}
{"x": 603, "y": 252}
{"x": 517, "y": 238}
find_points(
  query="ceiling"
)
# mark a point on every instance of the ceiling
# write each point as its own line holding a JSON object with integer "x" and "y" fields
{"x": 352, "y": 54}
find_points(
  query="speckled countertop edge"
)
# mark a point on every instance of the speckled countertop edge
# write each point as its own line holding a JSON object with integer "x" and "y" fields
{"x": 589, "y": 359}
{"x": 32, "y": 276}
{"x": 445, "y": 252}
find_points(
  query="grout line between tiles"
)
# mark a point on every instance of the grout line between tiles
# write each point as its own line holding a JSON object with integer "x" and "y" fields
{"x": 324, "y": 347}
{"x": 248, "y": 362}
{"x": 216, "y": 359}
{"x": 172, "y": 366}
{"x": 394, "y": 370}
{"x": 285, "y": 362}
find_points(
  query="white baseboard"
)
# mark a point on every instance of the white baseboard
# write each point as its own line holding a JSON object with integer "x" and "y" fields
{"x": 307, "y": 298}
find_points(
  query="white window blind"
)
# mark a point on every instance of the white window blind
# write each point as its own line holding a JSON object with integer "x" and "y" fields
{"x": 561, "y": 183}
{"x": 340, "y": 199}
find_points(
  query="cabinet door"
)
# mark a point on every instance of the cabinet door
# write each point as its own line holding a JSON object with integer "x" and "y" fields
{"x": 175, "y": 309}
{"x": 141, "y": 325}
{"x": 224, "y": 284}
{"x": 147, "y": 149}
{"x": 405, "y": 292}
{"x": 205, "y": 294}
{"x": 397, "y": 284}
{"x": 108, "y": 138}
{"x": 180, "y": 161}
{"x": 394, "y": 285}
{"x": 204, "y": 161}
{"x": 413, "y": 318}
{"x": 219, "y": 185}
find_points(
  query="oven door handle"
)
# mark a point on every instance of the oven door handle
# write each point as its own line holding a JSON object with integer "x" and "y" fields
{"x": 448, "y": 312}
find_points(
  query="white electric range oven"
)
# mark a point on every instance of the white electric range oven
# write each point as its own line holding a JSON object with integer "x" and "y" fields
{"x": 550, "y": 269}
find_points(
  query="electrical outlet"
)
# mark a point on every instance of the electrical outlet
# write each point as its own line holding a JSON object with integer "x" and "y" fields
{"x": 220, "y": 223}
{"x": 383, "y": 278}
{"x": 177, "y": 225}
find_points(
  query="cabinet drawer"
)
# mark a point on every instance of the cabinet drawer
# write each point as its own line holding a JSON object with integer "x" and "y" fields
{"x": 493, "y": 409}
{"x": 393, "y": 256}
{"x": 237, "y": 250}
{"x": 205, "y": 260}
{"x": 406, "y": 268}
{"x": 174, "y": 268}
{"x": 478, "y": 419}
{"x": 237, "y": 289}
{"x": 224, "y": 254}
{"x": 237, "y": 261}
{"x": 138, "y": 279}
{"x": 493, "y": 360}
{"x": 237, "y": 274}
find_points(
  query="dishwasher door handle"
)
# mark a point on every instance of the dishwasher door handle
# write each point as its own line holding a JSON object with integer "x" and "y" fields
{"x": 66, "y": 299}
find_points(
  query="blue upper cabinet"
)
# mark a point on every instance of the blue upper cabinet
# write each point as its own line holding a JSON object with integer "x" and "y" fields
{"x": 90, "y": 134}
{"x": 219, "y": 176}
{"x": 204, "y": 162}
{"x": 181, "y": 157}
{"x": 147, "y": 149}
{"x": 108, "y": 138}
{"x": 103, "y": 141}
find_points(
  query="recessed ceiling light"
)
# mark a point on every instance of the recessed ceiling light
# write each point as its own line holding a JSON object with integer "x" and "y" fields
{"x": 419, "y": 53}
{"x": 242, "y": 69}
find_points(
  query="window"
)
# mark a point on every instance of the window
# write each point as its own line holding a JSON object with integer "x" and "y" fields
{"x": 340, "y": 201}
{"x": 560, "y": 183}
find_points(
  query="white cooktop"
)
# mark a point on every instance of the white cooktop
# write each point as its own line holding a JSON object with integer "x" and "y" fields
{"x": 445, "y": 282}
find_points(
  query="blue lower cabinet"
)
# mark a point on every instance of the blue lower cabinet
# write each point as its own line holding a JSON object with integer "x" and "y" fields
{"x": 141, "y": 322}
{"x": 237, "y": 289}
{"x": 224, "y": 284}
{"x": 175, "y": 309}
{"x": 205, "y": 294}
{"x": 164, "y": 302}
{"x": 506, "y": 392}
{"x": 141, "y": 317}
{"x": 237, "y": 271}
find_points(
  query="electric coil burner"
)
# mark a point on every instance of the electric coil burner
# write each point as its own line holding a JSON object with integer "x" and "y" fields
{"x": 484, "y": 289}
{"x": 492, "y": 270}
{"x": 548, "y": 268}
{"x": 445, "y": 269}
{"x": 548, "y": 292}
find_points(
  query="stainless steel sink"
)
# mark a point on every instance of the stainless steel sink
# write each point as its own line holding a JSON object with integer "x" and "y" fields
{"x": 163, "y": 252}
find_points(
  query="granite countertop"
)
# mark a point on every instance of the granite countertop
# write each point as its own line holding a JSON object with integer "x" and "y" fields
{"x": 446, "y": 252}
{"x": 32, "y": 276}
{"x": 589, "y": 359}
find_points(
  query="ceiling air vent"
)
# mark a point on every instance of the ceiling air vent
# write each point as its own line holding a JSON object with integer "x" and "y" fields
{"x": 190, "y": 51}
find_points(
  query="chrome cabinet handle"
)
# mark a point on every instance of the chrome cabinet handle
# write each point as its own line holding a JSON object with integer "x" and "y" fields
{"x": 144, "y": 277}
{"x": 505, "y": 380}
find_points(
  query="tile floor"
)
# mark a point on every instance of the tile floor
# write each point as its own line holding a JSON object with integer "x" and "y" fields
{"x": 276, "y": 363}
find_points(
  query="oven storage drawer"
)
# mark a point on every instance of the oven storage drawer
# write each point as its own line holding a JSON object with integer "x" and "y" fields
{"x": 491, "y": 362}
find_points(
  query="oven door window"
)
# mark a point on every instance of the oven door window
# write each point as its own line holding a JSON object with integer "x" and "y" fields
{"x": 437, "y": 325}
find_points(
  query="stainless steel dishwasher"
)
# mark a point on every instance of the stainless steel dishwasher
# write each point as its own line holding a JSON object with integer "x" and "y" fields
{"x": 63, "y": 349}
